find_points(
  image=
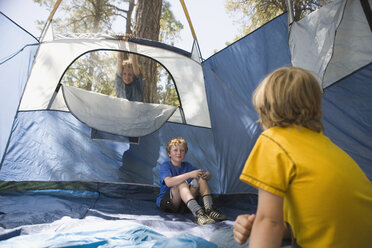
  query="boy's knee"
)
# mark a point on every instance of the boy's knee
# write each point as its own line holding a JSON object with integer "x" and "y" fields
{"x": 182, "y": 185}
{"x": 203, "y": 181}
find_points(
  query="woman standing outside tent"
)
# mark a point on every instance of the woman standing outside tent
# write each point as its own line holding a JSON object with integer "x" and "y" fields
{"x": 128, "y": 78}
{"x": 305, "y": 182}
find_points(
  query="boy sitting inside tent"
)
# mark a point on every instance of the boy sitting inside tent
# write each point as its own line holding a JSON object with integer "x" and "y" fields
{"x": 180, "y": 184}
{"x": 307, "y": 186}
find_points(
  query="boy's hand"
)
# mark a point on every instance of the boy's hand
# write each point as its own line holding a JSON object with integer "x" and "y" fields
{"x": 196, "y": 173}
{"x": 242, "y": 227}
{"x": 206, "y": 175}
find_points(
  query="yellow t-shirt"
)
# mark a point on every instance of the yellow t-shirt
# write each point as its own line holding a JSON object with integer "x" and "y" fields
{"x": 327, "y": 197}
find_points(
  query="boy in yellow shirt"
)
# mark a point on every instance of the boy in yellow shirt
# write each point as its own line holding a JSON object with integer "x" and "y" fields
{"x": 307, "y": 186}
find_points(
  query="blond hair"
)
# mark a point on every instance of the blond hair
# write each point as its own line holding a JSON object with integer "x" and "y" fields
{"x": 289, "y": 96}
{"x": 175, "y": 142}
{"x": 127, "y": 63}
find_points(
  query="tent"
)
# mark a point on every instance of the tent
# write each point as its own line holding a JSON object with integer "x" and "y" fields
{"x": 69, "y": 178}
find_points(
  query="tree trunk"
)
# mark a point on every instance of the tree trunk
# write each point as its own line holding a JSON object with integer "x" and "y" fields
{"x": 147, "y": 26}
{"x": 129, "y": 17}
{"x": 97, "y": 17}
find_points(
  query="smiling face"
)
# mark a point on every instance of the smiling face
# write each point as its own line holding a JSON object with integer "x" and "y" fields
{"x": 177, "y": 154}
{"x": 128, "y": 74}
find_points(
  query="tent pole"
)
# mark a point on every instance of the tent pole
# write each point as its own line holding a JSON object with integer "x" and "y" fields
{"x": 49, "y": 20}
{"x": 54, "y": 10}
{"x": 190, "y": 25}
{"x": 188, "y": 18}
{"x": 290, "y": 12}
{"x": 367, "y": 11}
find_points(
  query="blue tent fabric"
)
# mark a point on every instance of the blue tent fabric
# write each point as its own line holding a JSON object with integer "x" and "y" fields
{"x": 347, "y": 112}
{"x": 16, "y": 61}
{"x": 37, "y": 151}
{"x": 222, "y": 150}
{"x": 231, "y": 76}
{"x": 46, "y": 155}
{"x": 119, "y": 215}
{"x": 151, "y": 153}
{"x": 127, "y": 235}
{"x": 57, "y": 182}
{"x": 73, "y": 156}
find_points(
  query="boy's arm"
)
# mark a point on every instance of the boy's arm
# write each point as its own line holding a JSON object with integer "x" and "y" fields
{"x": 176, "y": 180}
{"x": 135, "y": 65}
{"x": 268, "y": 226}
{"x": 119, "y": 63}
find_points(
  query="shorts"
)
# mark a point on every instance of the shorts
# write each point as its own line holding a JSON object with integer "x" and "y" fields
{"x": 167, "y": 206}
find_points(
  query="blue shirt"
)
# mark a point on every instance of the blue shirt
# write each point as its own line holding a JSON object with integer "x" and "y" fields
{"x": 167, "y": 169}
{"x": 131, "y": 92}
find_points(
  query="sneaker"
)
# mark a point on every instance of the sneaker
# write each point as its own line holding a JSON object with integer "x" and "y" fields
{"x": 215, "y": 214}
{"x": 202, "y": 219}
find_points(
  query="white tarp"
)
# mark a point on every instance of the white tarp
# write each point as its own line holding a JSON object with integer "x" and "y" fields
{"x": 55, "y": 56}
{"x": 333, "y": 41}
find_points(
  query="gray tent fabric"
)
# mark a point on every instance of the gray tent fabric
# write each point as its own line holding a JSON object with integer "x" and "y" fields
{"x": 126, "y": 118}
{"x": 54, "y": 57}
{"x": 332, "y": 42}
{"x": 312, "y": 39}
{"x": 352, "y": 49}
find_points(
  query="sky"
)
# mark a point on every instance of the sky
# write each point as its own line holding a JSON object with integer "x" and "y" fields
{"x": 212, "y": 24}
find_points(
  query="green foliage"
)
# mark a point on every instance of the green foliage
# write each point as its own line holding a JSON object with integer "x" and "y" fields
{"x": 169, "y": 27}
{"x": 95, "y": 71}
{"x": 251, "y": 14}
{"x": 167, "y": 93}
{"x": 85, "y": 16}
{"x": 100, "y": 79}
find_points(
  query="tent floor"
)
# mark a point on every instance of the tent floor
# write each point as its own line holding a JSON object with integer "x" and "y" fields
{"x": 123, "y": 215}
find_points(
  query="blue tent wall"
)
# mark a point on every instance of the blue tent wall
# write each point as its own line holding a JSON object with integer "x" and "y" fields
{"x": 231, "y": 77}
{"x": 347, "y": 111}
{"x": 151, "y": 152}
{"x": 17, "y": 53}
{"x": 58, "y": 146}
{"x": 54, "y": 146}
